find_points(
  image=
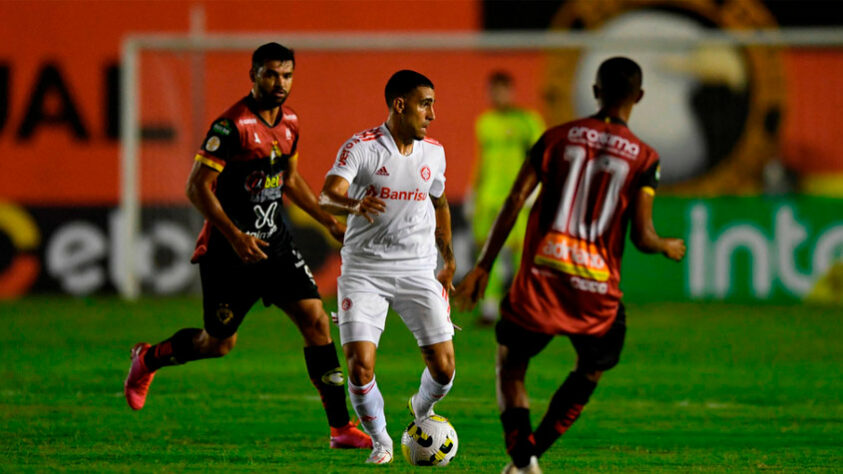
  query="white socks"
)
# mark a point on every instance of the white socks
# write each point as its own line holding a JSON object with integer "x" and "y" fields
{"x": 430, "y": 392}
{"x": 368, "y": 404}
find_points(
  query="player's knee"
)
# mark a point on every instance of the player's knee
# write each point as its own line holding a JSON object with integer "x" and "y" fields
{"x": 312, "y": 322}
{"x": 360, "y": 374}
{"x": 592, "y": 376}
{"x": 442, "y": 370}
{"x": 316, "y": 328}
{"x": 511, "y": 365}
{"x": 593, "y": 369}
{"x": 361, "y": 369}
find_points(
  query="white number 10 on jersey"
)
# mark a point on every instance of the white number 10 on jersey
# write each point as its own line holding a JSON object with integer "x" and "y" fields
{"x": 571, "y": 214}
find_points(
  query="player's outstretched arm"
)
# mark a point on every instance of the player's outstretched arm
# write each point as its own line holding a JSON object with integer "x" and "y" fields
{"x": 200, "y": 192}
{"x": 443, "y": 241}
{"x": 473, "y": 286}
{"x": 300, "y": 193}
{"x": 334, "y": 200}
{"x": 643, "y": 233}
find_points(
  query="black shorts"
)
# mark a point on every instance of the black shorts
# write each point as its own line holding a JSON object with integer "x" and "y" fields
{"x": 593, "y": 353}
{"x": 230, "y": 287}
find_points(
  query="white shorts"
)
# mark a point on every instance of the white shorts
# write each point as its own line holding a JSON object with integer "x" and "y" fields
{"x": 419, "y": 299}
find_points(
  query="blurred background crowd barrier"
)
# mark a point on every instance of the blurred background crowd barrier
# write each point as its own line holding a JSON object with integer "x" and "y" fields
{"x": 743, "y": 102}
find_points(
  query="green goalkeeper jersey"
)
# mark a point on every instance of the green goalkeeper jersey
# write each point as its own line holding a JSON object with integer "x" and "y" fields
{"x": 503, "y": 137}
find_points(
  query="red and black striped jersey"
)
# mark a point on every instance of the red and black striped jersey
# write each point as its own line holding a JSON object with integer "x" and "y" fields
{"x": 252, "y": 157}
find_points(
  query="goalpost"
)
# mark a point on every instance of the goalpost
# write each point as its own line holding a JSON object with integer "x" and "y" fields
{"x": 492, "y": 49}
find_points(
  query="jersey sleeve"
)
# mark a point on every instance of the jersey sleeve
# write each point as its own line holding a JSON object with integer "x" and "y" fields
{"x": 220, "y": 144}
{"x": 649, "y": 179}
{"x": 437, "y": 187}
{"x": 536, "y": 154}
{"x": 348, "y": 161}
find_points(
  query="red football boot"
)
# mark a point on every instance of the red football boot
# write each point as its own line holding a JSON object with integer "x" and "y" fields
{"x": 139, "y": 378}
{"x": 349, "y": 437}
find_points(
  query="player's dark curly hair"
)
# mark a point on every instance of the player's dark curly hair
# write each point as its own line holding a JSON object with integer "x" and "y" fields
{"x": 619, "y": 79}
{"x": 402, "y": 83}
{"x": 272, "y": 52}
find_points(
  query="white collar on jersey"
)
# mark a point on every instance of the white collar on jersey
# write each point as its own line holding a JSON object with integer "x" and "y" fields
{"x": 394, "y": 146}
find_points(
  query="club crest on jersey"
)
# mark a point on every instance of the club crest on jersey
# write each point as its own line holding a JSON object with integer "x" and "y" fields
{"x": 213, "y": 144}
{"x": 275, "y": 153}
{"x": 425, "y": 173}
{"x": 346, "y": 304}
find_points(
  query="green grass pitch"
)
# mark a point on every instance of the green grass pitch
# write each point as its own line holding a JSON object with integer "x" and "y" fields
{"x": 700, "y": 387}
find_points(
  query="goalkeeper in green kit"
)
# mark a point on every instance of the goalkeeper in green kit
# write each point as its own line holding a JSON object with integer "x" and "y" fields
{"x": 505, "y": 133}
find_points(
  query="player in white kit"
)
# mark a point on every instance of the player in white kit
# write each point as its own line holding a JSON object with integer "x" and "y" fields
{"x": 390, "y": 180}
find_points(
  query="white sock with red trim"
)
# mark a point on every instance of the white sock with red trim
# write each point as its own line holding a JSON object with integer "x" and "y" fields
{"x": 368, "y": 404}
{"x": 430, "y": 392}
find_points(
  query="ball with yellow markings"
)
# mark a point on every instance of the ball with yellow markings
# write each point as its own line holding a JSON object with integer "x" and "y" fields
{"x": 429, "y": 442}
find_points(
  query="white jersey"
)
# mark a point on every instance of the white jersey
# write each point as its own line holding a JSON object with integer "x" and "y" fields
{"x": 401, "y": 240}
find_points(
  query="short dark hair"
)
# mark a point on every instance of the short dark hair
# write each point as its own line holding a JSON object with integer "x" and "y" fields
{"x": 619, "y": 79}
{"x": 500, "y": 77}
{"x": 272, "y": 52}
{"x": 402, "y": 83}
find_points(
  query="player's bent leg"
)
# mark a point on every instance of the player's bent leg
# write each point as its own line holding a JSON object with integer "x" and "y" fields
{"x": 436, "y": 380}
{"x": 310, "y": 317}
{"x": 366, "y": 397}
{"x": 515, "y": 407}
{"x": 595, "y": 355}
{"x": 565, "y": 408}
{"x": 516, "y": 346}
{"x": 184, "y": 346}
{"x": 323, "y": 368}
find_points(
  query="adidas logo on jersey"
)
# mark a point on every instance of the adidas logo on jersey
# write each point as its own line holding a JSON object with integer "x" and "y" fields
{"x": 382, "y": 171}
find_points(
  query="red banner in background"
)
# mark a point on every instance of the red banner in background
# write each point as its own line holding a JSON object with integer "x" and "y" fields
{"x": 59, "y": 113}
{"x": 58, "y": 109}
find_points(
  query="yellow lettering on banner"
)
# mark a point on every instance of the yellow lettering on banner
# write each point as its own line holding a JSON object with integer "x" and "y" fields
{"x": 572, "y": 256}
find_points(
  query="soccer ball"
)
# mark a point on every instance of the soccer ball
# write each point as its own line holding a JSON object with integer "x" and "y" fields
{"x": 429, "y": 442}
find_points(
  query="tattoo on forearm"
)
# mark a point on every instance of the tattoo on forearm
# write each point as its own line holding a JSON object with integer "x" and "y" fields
{"x": 443, "y": 243}
{"x": 443, "y": 228}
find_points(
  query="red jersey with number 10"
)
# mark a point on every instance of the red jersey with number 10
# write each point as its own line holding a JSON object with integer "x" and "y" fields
{"x": 591, "y": 171}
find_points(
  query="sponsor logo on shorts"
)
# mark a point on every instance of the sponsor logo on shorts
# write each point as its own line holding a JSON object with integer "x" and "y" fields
{"x": 346, "y": 304}
{"x": 224, "y": 313}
